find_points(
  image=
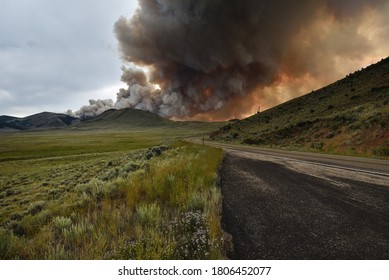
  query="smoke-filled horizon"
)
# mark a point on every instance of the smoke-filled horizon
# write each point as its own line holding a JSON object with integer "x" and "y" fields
{"x": 215, "y": 59}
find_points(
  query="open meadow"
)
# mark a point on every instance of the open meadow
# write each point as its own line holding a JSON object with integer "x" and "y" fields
{"x": 109, "y": 195}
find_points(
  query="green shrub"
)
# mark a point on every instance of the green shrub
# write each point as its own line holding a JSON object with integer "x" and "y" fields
{"x": 148, "y": 214}
{"x": 95, "y": 188}
{"x": 17, "y": 228}
{"x": 76, "y": 233}
{"x": 5, "y": 242}
{"x": 130, "y": 167}
{"x": 381, "y": 151}
{"x": 111, "y": 174}
{"x": 61, "y": 223}
{"x": 57, "y": 252}
{"x": 154, "y": 244}
{"x": 30, "y": 224}
{"x": 253, "y": 141}
{"x": 234, "y": 135}
{"x": 155, "y": 151}
{"x": 36, "y": 207}
{"x": 56, "y": 192}
{"x": 317, "y": 145}
{"x": 196, "y": 202}
{"x": 84, "y": 200}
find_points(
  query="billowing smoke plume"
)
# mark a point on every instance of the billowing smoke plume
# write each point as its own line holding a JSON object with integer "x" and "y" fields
{"x": 140, "y": 94}
{"x": 95, "y": 107}
{"x": 216, "y": 58}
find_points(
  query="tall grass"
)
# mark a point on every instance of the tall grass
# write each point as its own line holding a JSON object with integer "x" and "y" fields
{"x": 159, "y": 203}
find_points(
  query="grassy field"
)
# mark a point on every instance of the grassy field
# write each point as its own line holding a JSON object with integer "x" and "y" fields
{"x": 108, "y": 195}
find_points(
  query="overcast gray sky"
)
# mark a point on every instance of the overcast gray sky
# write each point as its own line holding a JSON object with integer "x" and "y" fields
{"x": 57, "y": 54}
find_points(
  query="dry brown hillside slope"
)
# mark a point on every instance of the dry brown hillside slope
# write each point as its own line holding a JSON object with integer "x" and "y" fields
{"x": 350, "y": 116}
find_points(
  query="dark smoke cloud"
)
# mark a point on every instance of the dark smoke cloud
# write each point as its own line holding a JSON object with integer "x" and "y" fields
{"x": 213, "y": 57}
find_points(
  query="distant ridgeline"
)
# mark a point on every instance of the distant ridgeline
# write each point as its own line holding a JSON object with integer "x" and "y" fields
{"x": 42, "y": 120}
{"x": 108, "y": 119}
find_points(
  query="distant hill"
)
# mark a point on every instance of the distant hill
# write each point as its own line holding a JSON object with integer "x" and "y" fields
{"x": 350, "y": 116}
{"x": 134, "y": 119}
{"x": 44, "y": 120}
{"x": 124, "y": 119}
{"x": 111, "y": 119}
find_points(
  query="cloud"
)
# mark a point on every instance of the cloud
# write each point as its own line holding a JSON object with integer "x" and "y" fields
{"x": 5, "y": 95}
{"x": 55, "y": 54}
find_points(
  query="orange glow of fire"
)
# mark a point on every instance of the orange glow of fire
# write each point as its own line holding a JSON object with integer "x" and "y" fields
{"x": 207, "y": 92}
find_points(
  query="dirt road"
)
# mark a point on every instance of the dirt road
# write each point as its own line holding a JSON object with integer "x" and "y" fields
{"x": 283, "y": 207}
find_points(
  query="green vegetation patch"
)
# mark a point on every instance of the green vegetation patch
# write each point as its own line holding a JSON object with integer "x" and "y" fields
{"x": 35, "y": 145}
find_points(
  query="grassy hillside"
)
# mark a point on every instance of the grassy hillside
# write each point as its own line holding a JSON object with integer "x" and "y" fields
{"x": 108, "y": 195}
{"x": 350, "y": 116}
{"x": 133, "y": 120}
{"x": 126, "y": 118}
